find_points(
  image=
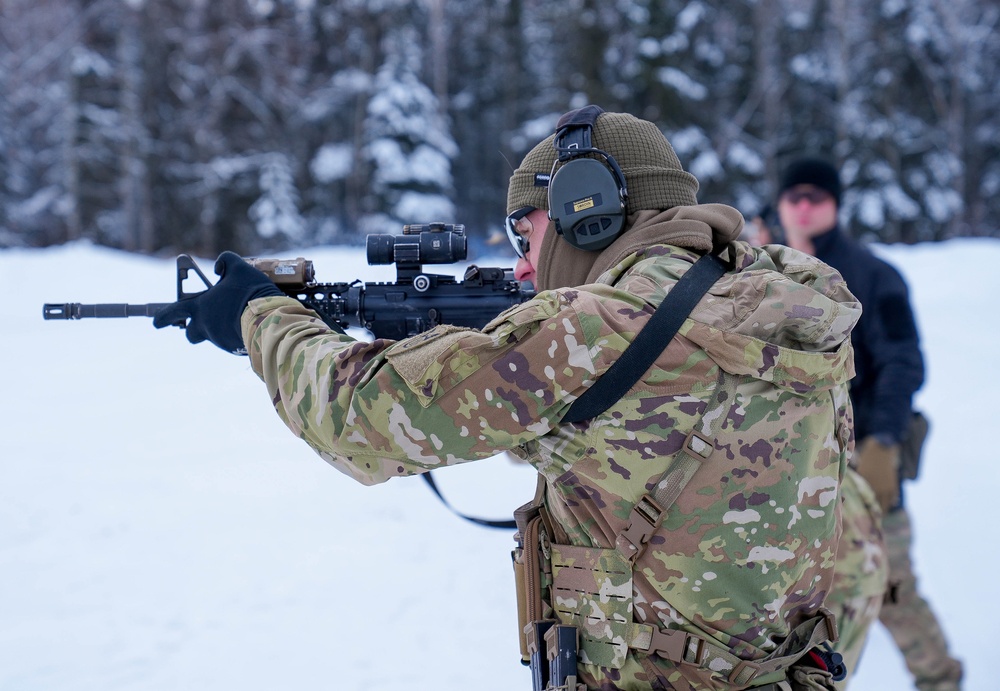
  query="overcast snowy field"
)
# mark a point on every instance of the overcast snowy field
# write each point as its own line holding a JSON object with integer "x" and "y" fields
{"x": 161, "y": 529}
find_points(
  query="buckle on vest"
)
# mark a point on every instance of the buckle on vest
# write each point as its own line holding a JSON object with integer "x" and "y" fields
{"x": 744, "y": 673}
{"x": 643, "y": 521}
{"x": 832, "y": 632}
{"x": 678, "y": 646}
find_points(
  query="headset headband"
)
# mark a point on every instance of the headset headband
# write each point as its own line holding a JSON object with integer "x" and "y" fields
{"x": 573, "y": 131}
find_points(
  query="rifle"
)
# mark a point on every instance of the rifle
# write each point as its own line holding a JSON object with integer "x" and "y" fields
{"x": 414, "y": 303}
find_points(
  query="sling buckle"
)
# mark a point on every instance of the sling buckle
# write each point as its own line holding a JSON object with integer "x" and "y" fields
{"x": 744, "y": 673}
{"x": 698, "y": 445}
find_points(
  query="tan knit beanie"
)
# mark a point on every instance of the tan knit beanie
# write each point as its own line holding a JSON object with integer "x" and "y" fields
{"x": 653, "y": 173}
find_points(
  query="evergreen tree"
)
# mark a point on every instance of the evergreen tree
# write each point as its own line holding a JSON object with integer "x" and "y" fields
{"x": 407, "y": 144}
{"x": 136, "y": 145}
{"x": 489, "y": 85}
{"x": 38, "y": 120}
{"x": 171, "y": 125}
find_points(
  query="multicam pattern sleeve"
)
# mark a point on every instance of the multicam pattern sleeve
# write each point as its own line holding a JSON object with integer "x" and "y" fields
{"x": 382, "y": 409}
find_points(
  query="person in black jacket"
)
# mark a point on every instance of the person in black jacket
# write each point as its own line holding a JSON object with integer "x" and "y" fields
{"x": 890, "y": 369}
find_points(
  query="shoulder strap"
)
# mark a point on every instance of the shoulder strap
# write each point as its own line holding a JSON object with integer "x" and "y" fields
{"x": 633, "y": 363}
{"x": 650, "y": 342}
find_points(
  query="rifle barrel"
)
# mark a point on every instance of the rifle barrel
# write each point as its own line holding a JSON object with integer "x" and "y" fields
{"x": 76, "y": 310}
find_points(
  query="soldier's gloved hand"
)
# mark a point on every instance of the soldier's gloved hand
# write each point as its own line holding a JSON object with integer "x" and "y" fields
{"x": 215, "y": 314}
{"x": 878, "y": 464}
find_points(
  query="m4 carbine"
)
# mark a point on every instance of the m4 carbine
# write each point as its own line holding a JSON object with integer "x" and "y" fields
{"x": 414, "y": 303}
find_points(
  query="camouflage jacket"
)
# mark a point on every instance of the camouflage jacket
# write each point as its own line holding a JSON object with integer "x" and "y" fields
{"x": 745, "y": 553}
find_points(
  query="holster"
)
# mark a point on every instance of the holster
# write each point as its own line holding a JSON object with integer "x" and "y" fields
{"x": 531, "y": 572}
{"x": 912, "y": 446}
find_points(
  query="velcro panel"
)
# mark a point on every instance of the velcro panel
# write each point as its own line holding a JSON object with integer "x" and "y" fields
{"x": 592, "y": 590}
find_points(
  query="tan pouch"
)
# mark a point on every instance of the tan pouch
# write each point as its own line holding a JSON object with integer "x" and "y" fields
{"x": 527, "y": 580}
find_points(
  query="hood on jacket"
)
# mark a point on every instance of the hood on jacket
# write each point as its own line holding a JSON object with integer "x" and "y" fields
{"x": 781, "y": 315}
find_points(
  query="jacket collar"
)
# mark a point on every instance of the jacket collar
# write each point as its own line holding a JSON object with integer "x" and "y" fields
{"x": 701, "y": 228}
{"x": 828, "y": 242}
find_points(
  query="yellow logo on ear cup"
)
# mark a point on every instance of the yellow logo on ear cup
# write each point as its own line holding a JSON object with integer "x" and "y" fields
{"x": 581, "y": 205}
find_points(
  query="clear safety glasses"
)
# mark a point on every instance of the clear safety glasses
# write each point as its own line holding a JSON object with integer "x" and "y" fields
{"x": 516, "y": 220}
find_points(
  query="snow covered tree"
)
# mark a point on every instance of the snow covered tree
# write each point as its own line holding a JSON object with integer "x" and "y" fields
{"x": 253, "y": 124}
{"x": 697, "y": 83}
{"x": 488, "y": 77}
{"x": 39, "y": 119}
{"x": 973, "y": 68}
{"x": 276, "y": 211}
{"x": 898, "y": 170}
{"x": 136, "y": 144}
{"x": 343, "y": 40}
{"x": 407, "y": 142}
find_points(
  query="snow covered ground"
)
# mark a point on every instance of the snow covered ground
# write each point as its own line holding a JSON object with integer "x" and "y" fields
{"x": 161, "y": 529}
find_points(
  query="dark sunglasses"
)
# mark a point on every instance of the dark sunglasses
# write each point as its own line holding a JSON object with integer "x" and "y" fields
{"x": 814, "y": 197}
{"x": 518, "y": 242}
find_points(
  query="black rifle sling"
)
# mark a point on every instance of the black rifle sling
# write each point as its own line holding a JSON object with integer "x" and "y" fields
{"x": 485, "y": 522}
{"x": 634, "y": 362}
{"x": 651, "y": 341}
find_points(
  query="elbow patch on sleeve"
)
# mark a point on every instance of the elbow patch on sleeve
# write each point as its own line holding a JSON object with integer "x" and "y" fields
{"x": 416, "y": 360}
{"x": 894, "y": 312}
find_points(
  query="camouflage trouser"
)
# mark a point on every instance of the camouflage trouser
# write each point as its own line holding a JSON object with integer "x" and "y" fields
{"x": 862, "y": 571}
{"x": 908, "y": 616}
{"x": 858, "y": 614}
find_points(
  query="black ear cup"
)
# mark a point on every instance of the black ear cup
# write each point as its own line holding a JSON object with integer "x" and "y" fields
{"x": 585, "y": 204}
{"x": 586, "y": 195}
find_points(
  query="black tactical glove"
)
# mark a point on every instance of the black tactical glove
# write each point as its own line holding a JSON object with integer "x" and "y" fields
{"x": 215, "y": 314}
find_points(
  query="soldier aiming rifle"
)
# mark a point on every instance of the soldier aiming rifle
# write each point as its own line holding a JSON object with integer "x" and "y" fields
{"x": 682, "y": 395}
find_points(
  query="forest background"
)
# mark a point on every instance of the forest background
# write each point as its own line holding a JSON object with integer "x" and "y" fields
{"x": 160, "y": 126}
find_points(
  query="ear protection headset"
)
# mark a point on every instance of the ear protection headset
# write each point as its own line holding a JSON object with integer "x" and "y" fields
{"x": 586, "y": 197}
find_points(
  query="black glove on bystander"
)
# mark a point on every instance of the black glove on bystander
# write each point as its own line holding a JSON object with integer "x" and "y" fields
{"x": 215, "y": 314}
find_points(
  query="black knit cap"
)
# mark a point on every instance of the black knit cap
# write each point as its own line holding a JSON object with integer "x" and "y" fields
{"x": 812, "y": 171}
